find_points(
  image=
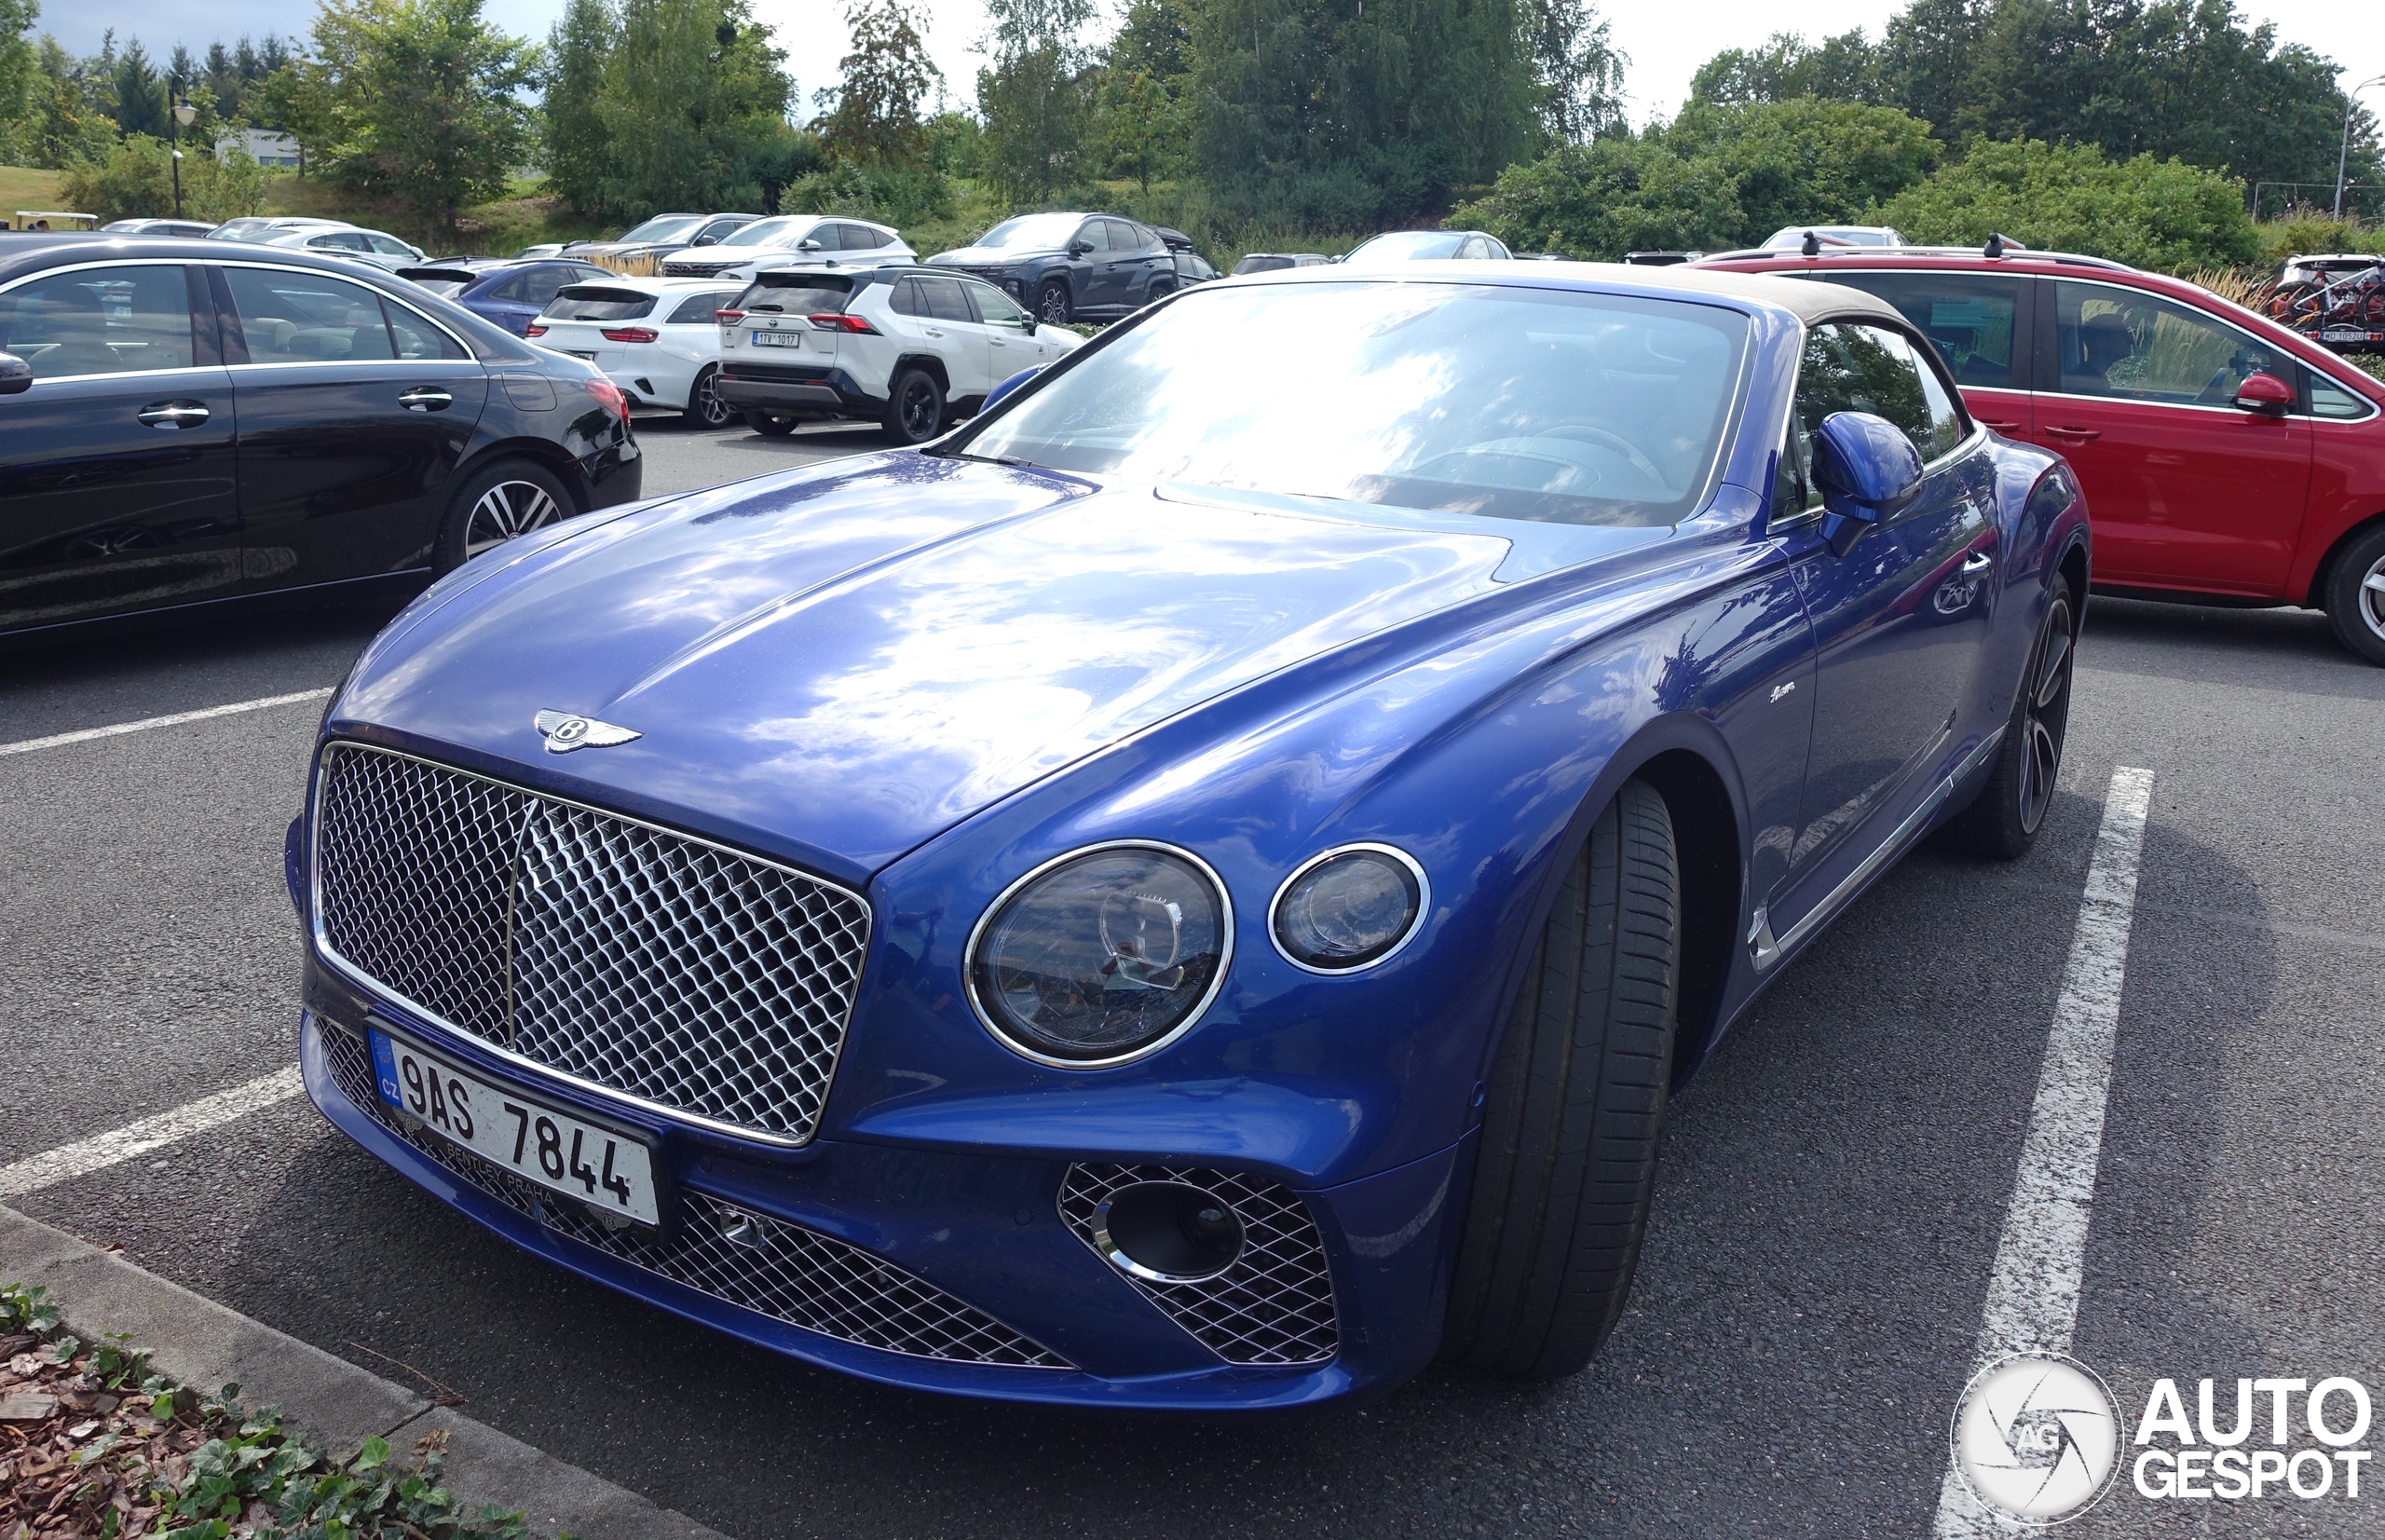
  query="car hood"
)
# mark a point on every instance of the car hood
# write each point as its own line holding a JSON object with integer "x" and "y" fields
{"x": 990, "y": 256}
{"x": 841, "y": 663}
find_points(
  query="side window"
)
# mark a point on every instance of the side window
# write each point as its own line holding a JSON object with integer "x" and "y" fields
{"x": 415, "y": 337}
{"x": 2123, "y": 343}
{"x": 517, "y": 290}
{"x": 1472, "y": 248}
{"x": 389, "y": 246}
{"x": 1125, "y": 236}
{"x": 946, "y": 302}
{"x": 695, "y": 309}
{"x": 99, "y": 320}
{"x": 994, "y": 307}
{"x": 308, "y": 318}
{"x": 1092, "y": 234}
{"x": 1972, "y": 319}
{"x": 906, "y": 300}
{"x": 1853, "y": 368}
{"x": 861, "y": 238}
{"x": 2330, "y": 399}
{"x": 1947, "y": 426}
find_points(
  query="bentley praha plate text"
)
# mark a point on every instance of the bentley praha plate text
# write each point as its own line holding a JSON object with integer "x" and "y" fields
{"x": 597, "y": 1165}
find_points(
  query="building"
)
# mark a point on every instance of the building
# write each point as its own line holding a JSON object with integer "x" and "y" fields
{"x": 262, "y": 145}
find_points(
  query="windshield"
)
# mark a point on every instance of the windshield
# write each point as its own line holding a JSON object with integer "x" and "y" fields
{"x": 783, "y": 231}
{"x": 1845, "y": 235}
{"x": 1408, "y": 246}
{"x": 1511, "y": 403}
{"x": 1032, "y": 233}
{"x": 663, "y": 227}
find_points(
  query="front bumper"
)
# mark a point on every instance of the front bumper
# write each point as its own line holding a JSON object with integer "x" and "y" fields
{"x": 1000, "y": 1297}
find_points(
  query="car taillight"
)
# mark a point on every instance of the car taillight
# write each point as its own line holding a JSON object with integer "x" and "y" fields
{"x": 630, "y": 333}
{"x": 832, "y": 322}
{"x": 534, "y": 330}
{"x": 729, "y": 318}
{"x": 609, "y": 397}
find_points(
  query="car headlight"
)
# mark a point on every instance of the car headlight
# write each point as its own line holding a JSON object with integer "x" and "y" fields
{"x": 1349, "y": 908}
{"x": 1102, "y": 956}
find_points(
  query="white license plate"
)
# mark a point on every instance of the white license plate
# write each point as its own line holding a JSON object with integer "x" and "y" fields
{"x": 527, "y": 1137}
{"x": 778, "y": 339}
{"x": 577, "y": 354}
{"x": 2342, "y": 334}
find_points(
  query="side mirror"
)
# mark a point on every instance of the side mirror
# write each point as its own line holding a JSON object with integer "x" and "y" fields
{"x": 1026, "y": 321}
{"x": 705, "y": 240}
{"x": 1079, "y": 248}
{"x": 1868, "y": 472}
{"x": 807, "y": 244}
{"x": 994, "y": 396}
{"x": 16, "y": 374}
{"x": 2265, "y": 394}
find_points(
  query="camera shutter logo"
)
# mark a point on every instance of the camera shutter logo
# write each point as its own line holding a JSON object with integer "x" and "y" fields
{"x": 2036, "y": 1438}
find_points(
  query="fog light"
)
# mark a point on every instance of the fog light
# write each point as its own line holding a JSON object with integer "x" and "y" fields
{"x": 1167, "y": 1232}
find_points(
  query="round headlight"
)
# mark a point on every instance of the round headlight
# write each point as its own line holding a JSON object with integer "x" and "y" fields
{"x": 1349, "y": 908}
{"x": 1102, "y": 955}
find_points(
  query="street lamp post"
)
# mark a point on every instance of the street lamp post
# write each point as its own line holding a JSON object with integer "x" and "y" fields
{"x": 2343, "y": 147}
{"x": 179, "y": 119}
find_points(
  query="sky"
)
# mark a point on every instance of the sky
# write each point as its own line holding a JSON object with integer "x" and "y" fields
{"x": 1665, "y": 43}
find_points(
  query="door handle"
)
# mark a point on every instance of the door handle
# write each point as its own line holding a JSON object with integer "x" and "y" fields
{"x": 1977, "y": 563}
{"x": 933, "y": 333}
{"x": 2081, "y": 435}
{"x": 1999, "y": 427}
{"x": 173, "y": 413}
{"x": 426, "y": 397}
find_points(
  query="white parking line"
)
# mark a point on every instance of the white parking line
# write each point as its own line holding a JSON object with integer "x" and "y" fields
{"x": 27, "y": 745}
{"x": 101, "y": 1151}
{"x": 2033, "y": 1293}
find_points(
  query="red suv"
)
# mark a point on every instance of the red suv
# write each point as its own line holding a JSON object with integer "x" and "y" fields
{"x": 2224, "y": 459}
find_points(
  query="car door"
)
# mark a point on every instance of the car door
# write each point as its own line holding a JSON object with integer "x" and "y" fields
{"x": 1093, "y": 279}
{"x": 1008, "y": 346}
{"x": 955, "y": 335}
{"x": 118, "y": 466}
{"x": 1981, "y": 325}
{"x": 354, "y": 410}
{"x": 1136, "y": 256}
{"x": 2184, "y": 488}
{"x": 1900, "y": 622}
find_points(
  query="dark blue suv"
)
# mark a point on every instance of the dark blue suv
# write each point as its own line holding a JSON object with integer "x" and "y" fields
{"x": 1071, "y": 266}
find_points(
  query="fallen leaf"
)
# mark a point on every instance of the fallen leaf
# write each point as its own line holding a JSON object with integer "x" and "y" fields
{"x": 83, "y": 1430}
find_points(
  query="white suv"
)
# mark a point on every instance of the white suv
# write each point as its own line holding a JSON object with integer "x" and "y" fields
{"x": 909, "y": 348}
{"x": 792, "y": 241}
{"x": 655, "y": 337}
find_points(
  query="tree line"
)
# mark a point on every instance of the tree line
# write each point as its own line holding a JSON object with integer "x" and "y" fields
{"x": 1329, "y": 116}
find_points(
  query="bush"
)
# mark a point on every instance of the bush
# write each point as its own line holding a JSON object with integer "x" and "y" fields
{"x": 892, "y": 195}
{"x": 2162, "y": 214}
{"x": 136, "y": 181}
{"x": 217, "y": 190}
{"x": 2310, "y": 231}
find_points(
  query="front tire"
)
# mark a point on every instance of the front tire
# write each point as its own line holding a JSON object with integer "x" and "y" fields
{"x": 769, "y": 424}
{"x": 914, "y": 408}
{"x": 508, "y": 498}
{"x": 1053, "y": 305}
{"x": 2004, "y": 819}
{"x": 706, "y": 409}
{"x": 2356, "y": 596}
{"x": 1575, "y": 1107}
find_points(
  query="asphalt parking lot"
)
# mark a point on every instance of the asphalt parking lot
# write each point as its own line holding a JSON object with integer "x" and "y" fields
{"x": 1833, "y": 1188}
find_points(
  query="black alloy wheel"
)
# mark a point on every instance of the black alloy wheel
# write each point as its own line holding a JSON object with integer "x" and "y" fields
{"x": 914, "y": 408}
{"x": 706, "y": 409}
{"x": 2004, "y": 820}
{"x": 510, "y": 498}
{"x": 1053, "y": 305}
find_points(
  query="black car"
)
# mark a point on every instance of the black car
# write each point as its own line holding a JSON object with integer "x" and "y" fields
{"x": 1071, "y": 266}
{"x": 185, "y": 426}
{"x": 662, "y": 236}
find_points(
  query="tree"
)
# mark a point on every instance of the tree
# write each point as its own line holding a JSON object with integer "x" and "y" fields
{"x": 1838, "y": 69}
{"x": 68, "y": 122}
{"x": 21, "y": 81}
{"x": 412, "y": 101}
{"x": 229, "y": 188}
{"x": 578, "y": 149}
{"x": 140, "y": 95}
{"x": 134, "y": 180}
{"x": 1576, "y": 68}
{"x": 877, "y": 117}
{"x": 1034, "y": 95}
{"x": 694, "y": 106}
{"x": 2164, "y": 214}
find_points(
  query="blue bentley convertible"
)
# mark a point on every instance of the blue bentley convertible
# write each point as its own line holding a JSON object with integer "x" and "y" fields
{"x": 1194, "y": 889}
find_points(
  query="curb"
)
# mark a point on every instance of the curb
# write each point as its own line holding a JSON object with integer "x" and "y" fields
{"x": 197, "y": 1342}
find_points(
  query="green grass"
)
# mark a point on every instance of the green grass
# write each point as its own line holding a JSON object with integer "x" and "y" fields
{"x": 22, "y": 188}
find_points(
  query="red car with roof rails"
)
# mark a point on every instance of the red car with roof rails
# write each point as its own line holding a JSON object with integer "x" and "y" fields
{"x": 2224, "y": 459}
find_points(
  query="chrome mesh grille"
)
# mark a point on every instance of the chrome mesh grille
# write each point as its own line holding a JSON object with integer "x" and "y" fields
{"x": 1274, "y": 1305}
{"x": 759, "y": 1264}
{"x": 697, "y": 978}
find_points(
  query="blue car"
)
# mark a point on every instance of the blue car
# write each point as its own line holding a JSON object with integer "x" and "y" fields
{"x": 512, "y": 294}
{"x": 1194, "y": 889}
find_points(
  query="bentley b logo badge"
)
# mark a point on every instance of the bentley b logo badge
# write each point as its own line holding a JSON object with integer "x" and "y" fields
{"x": 567, "y": 731}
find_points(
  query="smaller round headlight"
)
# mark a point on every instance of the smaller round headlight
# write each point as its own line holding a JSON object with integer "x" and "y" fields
{"x": 1349, "y": 908}
{"x": 1102, "y": 955}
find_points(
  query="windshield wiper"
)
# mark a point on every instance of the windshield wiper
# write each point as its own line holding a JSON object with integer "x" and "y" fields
{"x": 981, "y": 460}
